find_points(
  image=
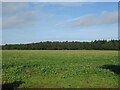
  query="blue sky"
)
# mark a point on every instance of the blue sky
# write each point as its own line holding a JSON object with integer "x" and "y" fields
{"x": 35, "y": 22}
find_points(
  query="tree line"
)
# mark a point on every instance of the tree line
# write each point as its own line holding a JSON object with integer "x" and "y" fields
{"x": 73, "y": 45}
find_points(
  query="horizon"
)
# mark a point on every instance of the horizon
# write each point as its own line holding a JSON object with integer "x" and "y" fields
{"x": 57, "y": 41}
{"x": 29, "y": 22}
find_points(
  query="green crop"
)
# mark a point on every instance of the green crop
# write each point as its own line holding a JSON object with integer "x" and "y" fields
{"x": 60, "y": 68}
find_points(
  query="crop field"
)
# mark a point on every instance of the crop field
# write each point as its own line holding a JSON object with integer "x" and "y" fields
{"x": 60, "y": 68}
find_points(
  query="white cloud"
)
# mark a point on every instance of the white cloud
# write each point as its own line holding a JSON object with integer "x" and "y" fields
{"x": 17, "y": 15}
{"x": 20, "y": 21}
{"x": 0, "y": 16}
{"x": 92, "y": 20}
{"x": 67, "y": 21}
{"x": 20, "y": 15}
{"x": 9, "y": 8}
{"x": 0, "y": 9}
{"x": 27, "y": 17}
{"x": 66, "y": 4}
{"x": 60, "y": 0}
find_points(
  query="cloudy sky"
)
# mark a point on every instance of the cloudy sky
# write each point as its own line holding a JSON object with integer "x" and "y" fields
{"x": 24, "y": 22}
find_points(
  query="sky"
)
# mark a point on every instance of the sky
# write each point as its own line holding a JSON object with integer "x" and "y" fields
{"x": 28, "y": 22}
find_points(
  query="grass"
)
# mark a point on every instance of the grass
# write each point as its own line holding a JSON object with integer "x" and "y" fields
{"x": 60, "y": 68}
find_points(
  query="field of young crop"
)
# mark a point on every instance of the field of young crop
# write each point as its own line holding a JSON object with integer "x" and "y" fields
{"x": 60, "y": 68}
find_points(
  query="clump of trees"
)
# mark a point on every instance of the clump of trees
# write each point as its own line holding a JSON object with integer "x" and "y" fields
{"x": 74, "y": 45}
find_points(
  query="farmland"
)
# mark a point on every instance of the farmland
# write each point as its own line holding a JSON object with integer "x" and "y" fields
{"x": 60, "y": 68}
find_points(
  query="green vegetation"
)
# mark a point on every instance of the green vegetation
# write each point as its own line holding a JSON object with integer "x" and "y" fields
{"x": 74, "y": 45}
{"x": 60, "y": 68}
